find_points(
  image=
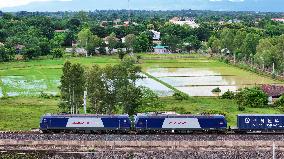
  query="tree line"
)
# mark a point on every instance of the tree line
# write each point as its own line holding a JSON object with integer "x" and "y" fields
{"x": 111, "y": 89}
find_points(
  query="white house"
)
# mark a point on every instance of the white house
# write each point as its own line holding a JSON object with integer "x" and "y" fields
{"x": 188, "y": 21}
{"x": 156, "y": 35}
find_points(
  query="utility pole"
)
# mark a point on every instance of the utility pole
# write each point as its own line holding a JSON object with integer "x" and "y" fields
{"x": 73, "y": 103}
{"x": 70, "y": 100}
{"x": 85, "y": 101}
{"x": 273, "y": 68}
{"x": 273, "y": 151}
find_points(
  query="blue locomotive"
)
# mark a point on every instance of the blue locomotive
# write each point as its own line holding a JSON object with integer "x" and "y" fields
{"x": 85, "y": 123}
{"x": 180, "y": 123}
{"x": 159, "y": 122}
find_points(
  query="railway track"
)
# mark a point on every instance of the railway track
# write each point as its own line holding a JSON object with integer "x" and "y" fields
{"x": 37, "y": 136}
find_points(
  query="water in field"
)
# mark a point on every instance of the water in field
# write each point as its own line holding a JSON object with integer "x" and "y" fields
{"x": 157, "y": 87}
{"x": 22, "y": 86}
{"x": 201, "y": 81}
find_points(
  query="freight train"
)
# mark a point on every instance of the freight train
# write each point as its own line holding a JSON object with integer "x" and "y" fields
{"x": 159, "y": 123}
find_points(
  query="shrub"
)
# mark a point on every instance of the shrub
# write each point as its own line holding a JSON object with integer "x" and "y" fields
{"x": 180, "y": 110}
{"x": 279, "y": 102}
{"x": 180, "y": 96}
{"x": 216, "y": 90}
{"x": 213, "y": 112}
{"x": 228, "y": 95}
{"x": 57, "y": 53}
{"x": 46, "y": 96}
{"x": 241, "y": 108}
{"x": 252, "y": 97}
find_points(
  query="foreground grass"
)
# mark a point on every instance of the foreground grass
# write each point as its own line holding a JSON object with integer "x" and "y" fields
{"x": 23, "y": 113}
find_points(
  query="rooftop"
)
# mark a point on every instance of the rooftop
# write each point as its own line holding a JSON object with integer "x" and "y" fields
{"x": 273, "y": 90}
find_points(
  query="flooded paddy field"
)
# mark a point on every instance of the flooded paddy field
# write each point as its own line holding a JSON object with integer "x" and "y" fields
{"x": 198, "y": 77}
{"x": 194, "y": 76}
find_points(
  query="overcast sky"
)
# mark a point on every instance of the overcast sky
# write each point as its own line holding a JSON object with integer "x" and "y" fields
{"x": 76, "y": 5}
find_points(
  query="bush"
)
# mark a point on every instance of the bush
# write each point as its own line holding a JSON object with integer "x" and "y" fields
{"x": 252, "y": 97}
{"x": 57, "y": 53}
{"x": 214, "y": 112}
{"x": 279, "y": 102}
{"x": 180, "y": 96}
{"x": 216, "y": 90}
{"x": 180, "y": 110}
{"x": 241, "y": 108}
{"x": 46, "y": 96}
{"x": 228, "y": 95}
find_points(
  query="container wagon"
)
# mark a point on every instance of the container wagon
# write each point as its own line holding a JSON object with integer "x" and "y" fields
{"x": 260, "y": 123}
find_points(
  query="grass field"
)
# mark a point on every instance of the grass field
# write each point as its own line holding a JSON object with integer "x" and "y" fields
{"x": 23, "y": 112}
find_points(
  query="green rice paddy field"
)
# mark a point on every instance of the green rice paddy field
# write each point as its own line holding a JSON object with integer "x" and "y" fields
{"x": 22, "y": 82}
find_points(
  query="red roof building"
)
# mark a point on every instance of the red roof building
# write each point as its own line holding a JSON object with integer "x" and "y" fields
{"x": 273, "y": 91}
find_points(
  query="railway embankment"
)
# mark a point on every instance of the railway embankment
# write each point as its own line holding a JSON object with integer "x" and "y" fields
{"x": 141, "y": 146}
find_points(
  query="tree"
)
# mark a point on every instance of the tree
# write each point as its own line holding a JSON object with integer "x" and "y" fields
{"x": 6, "y": 54}
{"x": 84, "y": 37}
{"x": 172, "y": 41}
{"x": 72, "y": 87}
{"x": 130, "y": 41}
{"x": 191, "y": 43}
{"x": 113, "y": 87}
{"x": 214, "y": 44}
{"x": 238, "y": 40}
{"x": 249, "y": 45}
{"x": 143, "y": 42}
{"x": 252, "y": 97}
{"x": 121, "y": 54}
{"x": 227, "y": 39}
{"x": 111, "y": 42}
{"x": 94, "y": 43}
{"x": 57, "y": 53}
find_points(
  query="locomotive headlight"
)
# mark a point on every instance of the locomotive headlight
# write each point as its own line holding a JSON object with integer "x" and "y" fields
{"x": 221, "y": 123}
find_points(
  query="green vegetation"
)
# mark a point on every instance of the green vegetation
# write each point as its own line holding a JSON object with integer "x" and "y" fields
{"x": 27, "y": 110}
{"x": 252, "y": 97}
{"x": 23, "y": 113}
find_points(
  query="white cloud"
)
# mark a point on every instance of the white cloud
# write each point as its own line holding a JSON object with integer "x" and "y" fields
{"x": 14, "y": 3}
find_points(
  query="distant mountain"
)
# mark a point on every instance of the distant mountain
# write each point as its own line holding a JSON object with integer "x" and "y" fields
{"x": 220, "y": 5}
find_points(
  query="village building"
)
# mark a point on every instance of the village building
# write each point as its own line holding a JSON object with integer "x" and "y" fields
{"x": 79, "y": 51}
{"x": 156, "y": 35}
{"x": 278, "y": 19}
{"x": 273, "y": 91}
{"x": 187, "y": 21}
{"x": 160, "y": 49}
{"x": 61, "y": 31}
